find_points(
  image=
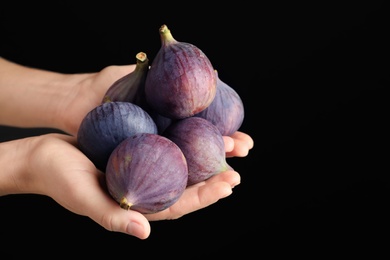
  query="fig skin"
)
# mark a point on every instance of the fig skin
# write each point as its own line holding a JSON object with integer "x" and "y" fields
{"x": 108, "y": 124}
{"x": 227, "y": 109}
{"x": 181, "y": 80}
{"x": 203, "y": 146}
{"x": 127, "y": 87}
{"x": 161, "y": 121}
{"x": 146, "y": 173}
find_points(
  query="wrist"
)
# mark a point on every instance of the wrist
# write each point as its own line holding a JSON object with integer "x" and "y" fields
{"x": 14, "y": 176}
{"x": 28, "y": 97}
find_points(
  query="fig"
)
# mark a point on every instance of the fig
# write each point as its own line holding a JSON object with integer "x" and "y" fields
{"x": 181, "y": 80}
{"x": 108, "y": 124}
{"x": 161, "y": 121}
{"x": 146, "y": 173}
{"x": 127, "y": 87}
{"x": 202, "y": 145}
{"x": 227, "y": 109}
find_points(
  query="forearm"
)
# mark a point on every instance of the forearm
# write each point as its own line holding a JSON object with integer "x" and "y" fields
{"x": 31, "y": 97}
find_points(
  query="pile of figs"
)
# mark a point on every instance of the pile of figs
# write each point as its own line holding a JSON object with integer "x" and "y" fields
{"x": 160, "y": 128}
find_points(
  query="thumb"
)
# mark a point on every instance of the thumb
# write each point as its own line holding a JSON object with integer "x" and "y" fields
{"x": 99, "y": 206}
{"x": 114, "y": 218}
{"x": 105, "y": 211}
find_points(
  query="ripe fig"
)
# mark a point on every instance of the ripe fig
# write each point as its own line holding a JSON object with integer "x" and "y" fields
{"x": 147, "y": 173}
{"x": 202, "y": 145}
{"x": 161, "y": 121}
{"x": 227, "y": 109}
{"x": 181, "y": 80}
{"x": 127, "y": 87}
{"x": 108, "y": 124}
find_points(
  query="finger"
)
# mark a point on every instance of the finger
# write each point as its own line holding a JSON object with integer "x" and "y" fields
{"x": 200, "y": 196}
{"x": 232, "y": 177}
{"x": 114, "y": 218}
{"x": 229, "y": 143}
{"x": 104, "y": 210}
{"x": 242, "y": 144}
{"x": 244, "y": 138}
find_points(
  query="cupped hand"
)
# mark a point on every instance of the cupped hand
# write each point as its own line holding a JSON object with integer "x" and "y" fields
{"x": 73, "y": 181}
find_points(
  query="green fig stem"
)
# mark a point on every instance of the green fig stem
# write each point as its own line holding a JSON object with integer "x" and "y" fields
{"x": 166, "y": 35}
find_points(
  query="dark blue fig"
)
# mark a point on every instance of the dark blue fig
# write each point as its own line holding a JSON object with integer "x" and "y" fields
{"x": 108, "y": 124}
{"x": 202, "y": 145}
{"x": 181, "y": 80}
{"x": 147, "y": 173}
{"x": 127, "y": 88}
{"x": 227, "y": 109}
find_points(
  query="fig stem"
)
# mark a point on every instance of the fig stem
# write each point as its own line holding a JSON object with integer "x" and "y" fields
{"x": 166, "y": 35}
{"x": 141, "y": 56}
{"x": 142, "y": 61}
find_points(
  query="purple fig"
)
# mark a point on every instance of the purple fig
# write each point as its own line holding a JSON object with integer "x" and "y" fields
{"x": 202, "y": 145}
{"x": 108, "y": 124}
{"x": 146, "y": 173}
{"x": 227, "y": 109}
{"x": 127, "y": 87}
{"x": 161, "y": 121}
{"x": 181, "y": 80}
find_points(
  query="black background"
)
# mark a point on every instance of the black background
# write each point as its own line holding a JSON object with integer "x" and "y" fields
{"x": 313, "y": 79}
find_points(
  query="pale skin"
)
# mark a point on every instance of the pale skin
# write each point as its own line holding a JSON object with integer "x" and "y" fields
{"x": 53, "y": 166}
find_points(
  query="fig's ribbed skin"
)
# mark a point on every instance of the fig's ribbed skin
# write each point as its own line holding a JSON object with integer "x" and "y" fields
{"x": 126, "y": 88}
{"x": 226, "y": 111}
{"x": 108, "y": 124}
{"x": 202, "y": 145}
{"x": 181, "y": 80}
{"x": 147, "y": 173}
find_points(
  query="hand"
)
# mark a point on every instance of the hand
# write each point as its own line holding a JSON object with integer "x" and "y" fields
{"x": 73, "y": 181}
{"x": 86, "y": 93}
{"x": 31, "y": 97}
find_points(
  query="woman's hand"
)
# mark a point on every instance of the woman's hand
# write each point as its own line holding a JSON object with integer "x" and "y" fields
{"x": 55, "y": 167}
